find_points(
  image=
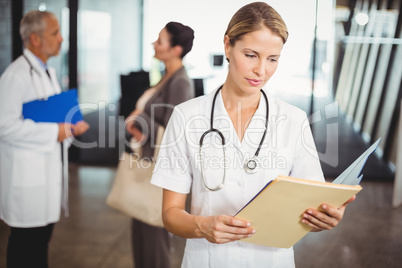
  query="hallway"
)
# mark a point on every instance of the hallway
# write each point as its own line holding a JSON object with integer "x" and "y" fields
{"x": 96, "y": 236}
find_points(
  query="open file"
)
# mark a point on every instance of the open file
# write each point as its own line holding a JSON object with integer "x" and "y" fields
{"x": 276, "y": 211}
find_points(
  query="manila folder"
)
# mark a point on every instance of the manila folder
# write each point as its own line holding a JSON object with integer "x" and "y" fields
{"x": 276, "y": 211}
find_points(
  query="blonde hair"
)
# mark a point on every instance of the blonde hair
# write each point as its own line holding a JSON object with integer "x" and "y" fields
{"x": 251, "y": 18}
{"x": 33, "y": 22}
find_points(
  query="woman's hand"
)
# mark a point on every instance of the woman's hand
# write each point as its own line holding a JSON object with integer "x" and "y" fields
{"x": 222, "y": 228}
{"x": 326, "y": 219}
{"x": 216, "y": 229}
{"x": 137, "y": 134}
{"x": 130, "y": 120}
{"x": 130, "y": 123}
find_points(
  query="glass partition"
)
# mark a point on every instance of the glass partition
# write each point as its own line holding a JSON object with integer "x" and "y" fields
{"x": 109, "y": 44}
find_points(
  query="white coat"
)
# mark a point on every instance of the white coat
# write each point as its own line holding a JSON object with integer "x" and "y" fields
{"x": 288, "y": 149}
{"x": 30, "y": 156}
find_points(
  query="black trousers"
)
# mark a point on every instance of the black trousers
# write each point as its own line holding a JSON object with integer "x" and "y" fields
{"x": 150, "y": 245}
{"x": 28, "y": 247}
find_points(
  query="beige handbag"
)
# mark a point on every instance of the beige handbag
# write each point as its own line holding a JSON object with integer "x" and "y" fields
{"x": 132, "y": 193}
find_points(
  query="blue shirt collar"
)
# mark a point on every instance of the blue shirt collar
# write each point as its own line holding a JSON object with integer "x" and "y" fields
{"x": 41, "y": 63}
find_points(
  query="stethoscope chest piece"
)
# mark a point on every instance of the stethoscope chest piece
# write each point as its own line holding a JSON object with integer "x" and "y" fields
{"x": 252, "y": 165}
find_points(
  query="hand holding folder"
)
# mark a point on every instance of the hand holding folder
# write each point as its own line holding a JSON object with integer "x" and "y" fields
{"x": 276, "y": 211}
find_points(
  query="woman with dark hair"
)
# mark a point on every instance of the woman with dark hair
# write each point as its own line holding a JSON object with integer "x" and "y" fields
{"x": 150, "y": 244}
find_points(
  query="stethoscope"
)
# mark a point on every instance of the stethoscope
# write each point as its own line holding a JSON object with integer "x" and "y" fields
{"x": 64, "y": 146}
{"x": 251, "y": 165}
{"x": 31, "y": 71}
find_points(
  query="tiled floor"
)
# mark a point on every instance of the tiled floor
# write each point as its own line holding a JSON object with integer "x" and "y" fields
{"x": 96, "y": 236}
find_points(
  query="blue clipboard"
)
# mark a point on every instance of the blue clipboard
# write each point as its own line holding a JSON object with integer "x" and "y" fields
{"x": 59, "y": 108}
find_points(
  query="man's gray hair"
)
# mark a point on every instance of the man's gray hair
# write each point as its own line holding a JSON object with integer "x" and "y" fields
{"x": 33, "y": 22}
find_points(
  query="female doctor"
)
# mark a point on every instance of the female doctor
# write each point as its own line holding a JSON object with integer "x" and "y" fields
{"x": 234, "y": 141}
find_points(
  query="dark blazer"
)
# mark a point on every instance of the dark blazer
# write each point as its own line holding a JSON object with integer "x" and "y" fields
{"x": 179, "y": 88}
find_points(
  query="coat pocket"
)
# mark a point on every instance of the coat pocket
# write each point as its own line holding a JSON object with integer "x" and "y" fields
{"x": 29, "y": 168}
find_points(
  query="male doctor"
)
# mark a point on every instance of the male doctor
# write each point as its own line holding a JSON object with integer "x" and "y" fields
{"x": 31, "y": 153}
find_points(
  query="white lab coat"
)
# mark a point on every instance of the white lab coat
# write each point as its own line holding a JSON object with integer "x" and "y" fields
{"x": 30, "y": 156}
{"x": 288, "y": 150}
